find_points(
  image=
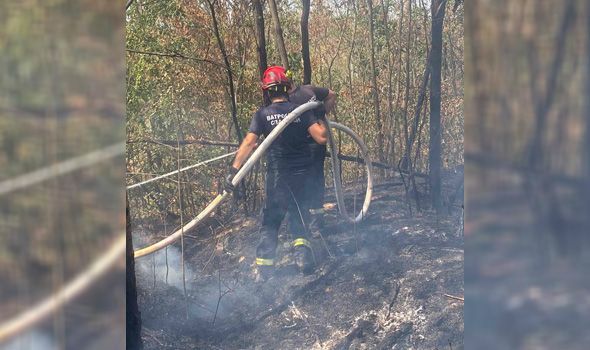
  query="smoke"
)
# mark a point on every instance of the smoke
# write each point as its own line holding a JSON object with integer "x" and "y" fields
{"x": 203, "y": 296}
{"x": 34, "y": 340}
{"x": 165, "y": 265}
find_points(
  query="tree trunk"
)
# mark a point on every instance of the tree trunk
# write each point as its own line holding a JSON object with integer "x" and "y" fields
{"x": 434, "y": 157}
{"x": 417, "y": 111}
{"x": 424, "y": 10}
{"x": 305, "y": 42}
{"x": 397, "y": 128}
{"x": 390, "y": 147}
{"x": 133, "y": 317}
{"x": 260, "y": 37}
{"x": 542, "y": 104}
{"x": 261, "y": 44}
{"x": 587, "y": 132}
{"x": 350, "y": 52}
{"x": 278, "y": 34}
{"x": 230, "y": 78}
{"x": 375, "y": 91}
{"x": 336, "y": 55}
{"x": 406, "y": 159}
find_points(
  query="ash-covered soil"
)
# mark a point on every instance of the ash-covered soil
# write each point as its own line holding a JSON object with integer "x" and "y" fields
{"x": 522, "y": 293}
{"x": 378, "y": 285}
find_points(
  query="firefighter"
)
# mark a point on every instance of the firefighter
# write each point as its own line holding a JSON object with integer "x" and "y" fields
{"x": 300, "y": 95}
{"x": 288, "y": 169}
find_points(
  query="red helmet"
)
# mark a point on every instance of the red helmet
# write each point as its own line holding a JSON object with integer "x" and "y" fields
{"x": 275, "y": 76}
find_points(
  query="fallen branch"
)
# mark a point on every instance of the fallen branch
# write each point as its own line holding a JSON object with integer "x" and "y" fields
{"x": 302, "y": 316}
{"x": 150, "y": 334}
{"x": 394, "y": 299}
{"x": 394, "y": 338}
{"x": 356, "y": 333}
{"x": 454, "y": 297}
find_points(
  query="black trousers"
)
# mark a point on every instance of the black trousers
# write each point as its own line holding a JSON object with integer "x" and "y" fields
{"x": 285, "y": 194}
{"x": 317, "y": 185}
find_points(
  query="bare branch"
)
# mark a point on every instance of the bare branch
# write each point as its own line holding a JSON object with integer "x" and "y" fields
{"x": 186, "y": 142}
{"x": 174, "y": 55}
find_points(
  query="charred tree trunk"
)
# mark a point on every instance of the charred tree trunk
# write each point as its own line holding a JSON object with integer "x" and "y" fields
{"x": 260, "y": 36}
{"x": 305, "y": 42}
{"x": 278, "y": 34}
{"x": 261, "y": 43}
{"x": 390, "y": 147}
{"x": 375, "y": 91}
{"x": 586, "y": 150}
{"x": 228, "y": 70}
{"x": 543, "y": 104}
{"x": 133, "y": 317}
{"x": 434, "y": 156}
{"x": 397, "y": 122}
{"x": 405, "y": 162}
{"x": 417, "y": 111}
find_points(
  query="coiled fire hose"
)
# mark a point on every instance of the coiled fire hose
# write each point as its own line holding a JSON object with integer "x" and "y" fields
{"x": 336, "y": 169}
{"x": 258, "y": 153}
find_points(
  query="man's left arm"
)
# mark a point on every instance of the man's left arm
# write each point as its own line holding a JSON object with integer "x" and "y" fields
{"x": 330, "y": 101}
{"x": 327, "y": 96}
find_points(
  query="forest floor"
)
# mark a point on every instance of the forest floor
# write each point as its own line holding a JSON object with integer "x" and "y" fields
{"x": 521, "y": 294}
{"x": 387, "y": 283}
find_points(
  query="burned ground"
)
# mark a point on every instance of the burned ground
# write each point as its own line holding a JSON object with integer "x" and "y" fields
{"x": 523, "y": 294}
{"x": 379, "y": 285}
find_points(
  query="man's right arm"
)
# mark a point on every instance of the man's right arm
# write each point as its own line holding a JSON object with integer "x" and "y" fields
{"x": 318, "y": 132}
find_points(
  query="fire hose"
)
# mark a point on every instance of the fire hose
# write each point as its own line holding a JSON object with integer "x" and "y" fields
{"x": 257, "y": 155}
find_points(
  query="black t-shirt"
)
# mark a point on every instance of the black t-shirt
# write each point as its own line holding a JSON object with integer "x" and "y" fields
{"x": 289, "y": 150}
{"x": 307, "y": 93}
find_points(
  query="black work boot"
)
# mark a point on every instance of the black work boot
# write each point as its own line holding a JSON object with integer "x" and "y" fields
{"x": 303, "y": 255}
{"x": 264, "y": 269}
{"x": 316, "y": 224}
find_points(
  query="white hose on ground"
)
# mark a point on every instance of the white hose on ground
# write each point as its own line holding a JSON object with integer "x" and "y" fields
{"x": 258, "y": 153}
{"x": 39, "y": 312}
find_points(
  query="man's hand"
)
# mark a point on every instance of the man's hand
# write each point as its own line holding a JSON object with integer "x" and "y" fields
{"x": 229, "y": 187}
{"x": 330, "y": 102}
